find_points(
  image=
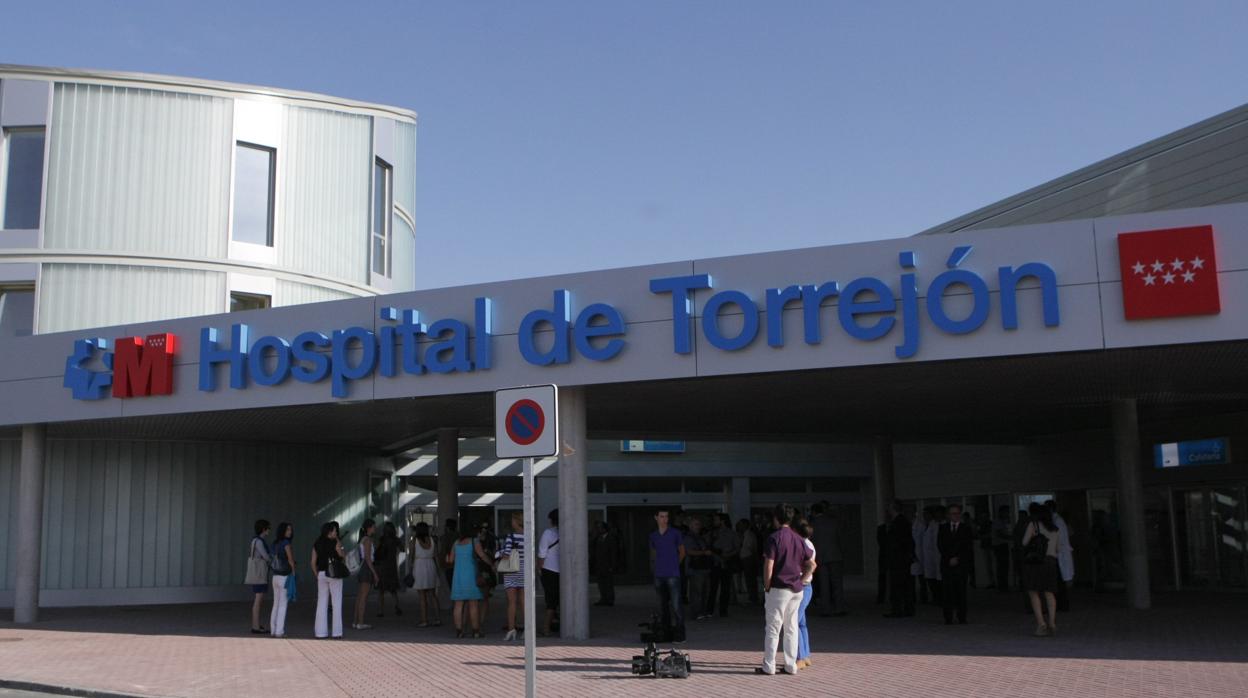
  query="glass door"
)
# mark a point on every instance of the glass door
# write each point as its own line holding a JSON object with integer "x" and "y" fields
{"x": 1210, "y": 537}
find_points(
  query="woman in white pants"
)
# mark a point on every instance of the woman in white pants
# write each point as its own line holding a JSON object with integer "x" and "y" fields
{"x": 283, "y": 568}
{"x": 327, "y": 550}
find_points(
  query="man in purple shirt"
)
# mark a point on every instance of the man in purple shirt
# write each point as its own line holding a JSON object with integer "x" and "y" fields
{"x": 786, "y": 560}
{"x": 667, "y": 551}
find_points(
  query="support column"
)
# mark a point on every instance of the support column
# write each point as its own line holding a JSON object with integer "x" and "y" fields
{"x": 1131, "y": 502}
{"x": 29, "y": 530}
{"x": 448, "y": 476}
{"x": 739, "y": 499}
{"x": 883, "y": 474}
{"x": 573, "y": 516}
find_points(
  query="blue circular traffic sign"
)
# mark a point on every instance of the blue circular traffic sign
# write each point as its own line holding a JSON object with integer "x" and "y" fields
{"x": 525, "y": 422}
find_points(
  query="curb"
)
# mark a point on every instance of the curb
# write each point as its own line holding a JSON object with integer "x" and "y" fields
{"x": 65, "y": 690}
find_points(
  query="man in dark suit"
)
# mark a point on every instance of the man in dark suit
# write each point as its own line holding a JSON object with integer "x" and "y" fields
{"x": 956, "y": 542}
{"x": 900, "y": 555}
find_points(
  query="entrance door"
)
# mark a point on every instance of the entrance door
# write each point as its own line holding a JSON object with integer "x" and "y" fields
{"x": 1210, "y": 537}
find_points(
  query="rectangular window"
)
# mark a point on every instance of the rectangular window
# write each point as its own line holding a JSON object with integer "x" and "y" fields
{"x": 23, "y": 178}
{"x": 248, "y": 301}
{"x": 253, "y": 194}
{"x": 17, "y": 311}
{"x": 382, "y": 206}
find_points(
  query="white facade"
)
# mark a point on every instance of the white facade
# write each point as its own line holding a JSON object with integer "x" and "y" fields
{"x": 146, "y": 203}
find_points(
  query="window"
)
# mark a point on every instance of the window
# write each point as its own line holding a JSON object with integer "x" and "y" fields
{"x": 253, "y": 194}
{"x": 248, "y": 301}
{"x": 17, "y": 311}
{"x": 382, "y": 203}
{"x": 23, "y": 178}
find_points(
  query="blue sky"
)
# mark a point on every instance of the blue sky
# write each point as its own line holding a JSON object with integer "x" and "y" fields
{"x": 568, "y": 136}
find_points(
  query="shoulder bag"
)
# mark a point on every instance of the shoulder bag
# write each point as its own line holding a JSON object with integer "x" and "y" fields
{"x": 257, "y": 567}
{"x": 511, "y": 563}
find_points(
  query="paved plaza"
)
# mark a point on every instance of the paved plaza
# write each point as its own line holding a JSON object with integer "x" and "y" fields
{"x": 1189, "y": 645}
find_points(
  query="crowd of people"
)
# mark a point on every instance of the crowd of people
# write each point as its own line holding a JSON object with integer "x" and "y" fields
{"x": 933, "y": 551}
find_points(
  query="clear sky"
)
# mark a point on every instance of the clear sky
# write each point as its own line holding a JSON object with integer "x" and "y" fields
{"x": 568, "y": 136}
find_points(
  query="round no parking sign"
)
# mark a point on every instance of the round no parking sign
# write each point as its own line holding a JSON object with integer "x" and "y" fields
{"x": 526, "y": 422}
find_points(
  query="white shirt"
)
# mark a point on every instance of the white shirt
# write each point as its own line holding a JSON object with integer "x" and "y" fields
{"x": 548, "y": 549}
{"x": 811, "y": 547}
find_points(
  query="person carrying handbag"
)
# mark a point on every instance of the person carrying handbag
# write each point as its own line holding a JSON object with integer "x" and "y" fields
{"x": 258, "y": 557}
{"x": 330, "y": 568}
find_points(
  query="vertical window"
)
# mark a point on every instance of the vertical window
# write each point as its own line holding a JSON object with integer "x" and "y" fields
{"x": 23, "y": 177}
{"x": 17, "y": 311}
{"x": 249, "y": 301}
{"x": 382, "y": 205}
{"x": 253, "y": 194}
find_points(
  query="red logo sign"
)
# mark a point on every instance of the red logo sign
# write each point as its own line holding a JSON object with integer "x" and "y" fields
{"x": 142, "y": 368}
{"x": 1169, "y": 273}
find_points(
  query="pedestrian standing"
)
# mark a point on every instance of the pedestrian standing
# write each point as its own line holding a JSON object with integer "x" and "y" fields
{"x": 1040, "y": 567}
{"x": 698, "y": 563}
{"x": 931, "y": 554}
{"x": 918, "y": 566}
{"x": 425, "y": 576}
{"x": 723, "y": 547}
{"x": 548, "y": 565}
{"x": 956, "y": 543}
{"x": 513, "y": 582}
{"x": 330, "y": 569}
{"x": 605, "y": 562}
{"x": 366, "y": 578}
{"x": 749, "y": 559}
{"x": 283, "y": 574}
{"x": 1065, "y": 557}
{"x": 667, "y": 551}
{"x": 786, "y": 561}
{"x": 386, "y": 563}
{"x": 831, "y": 574}
{"x": 881, "y": 563}
{"x": 1001, "y": 547}
{"x": 901, "y": 556}
{"x": 465, "y": 592}
{"x": 258, "y": 561}
{"x": 486, "y": 577}
{"x": 805, "y": 530}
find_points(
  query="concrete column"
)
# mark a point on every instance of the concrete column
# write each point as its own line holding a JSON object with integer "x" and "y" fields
{"x": 739, "y": 499}
{"x": 29, "y": 524}
{"x": 1131, "y": 502}
{"x": 883, "y": 475}
{"x": 448, "y": 475}
{"x": 573, "y": 516}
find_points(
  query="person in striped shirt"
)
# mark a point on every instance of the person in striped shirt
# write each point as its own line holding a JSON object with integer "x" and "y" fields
{"x": 514, "y": 582}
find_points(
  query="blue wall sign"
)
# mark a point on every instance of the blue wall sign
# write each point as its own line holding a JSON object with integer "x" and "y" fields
{"x": 1184, "y": 453}
{"x": 636, "y": 446}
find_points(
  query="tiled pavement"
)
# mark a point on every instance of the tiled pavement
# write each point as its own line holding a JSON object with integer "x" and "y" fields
{"x": 1189, "y": 645}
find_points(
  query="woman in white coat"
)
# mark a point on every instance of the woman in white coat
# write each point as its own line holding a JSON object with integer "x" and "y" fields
{"x": 931, "y": 554}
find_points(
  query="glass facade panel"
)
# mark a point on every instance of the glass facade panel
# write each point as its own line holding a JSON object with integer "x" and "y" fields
{"x": 253, "y": 194}
{"x": 17, "y": 312}
{"x": 23, "y": 178}
{"x": 249, "y": 301}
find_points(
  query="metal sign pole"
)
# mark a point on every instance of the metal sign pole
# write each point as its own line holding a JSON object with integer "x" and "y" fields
{"x": 530, "y": 584}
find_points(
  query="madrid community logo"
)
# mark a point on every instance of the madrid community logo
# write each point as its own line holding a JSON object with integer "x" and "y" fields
{"x": 136, "y": 367}
{"x": 1169, "y": 273}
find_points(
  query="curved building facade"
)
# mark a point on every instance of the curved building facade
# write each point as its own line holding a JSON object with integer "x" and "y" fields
{"x": 129, "y": 198}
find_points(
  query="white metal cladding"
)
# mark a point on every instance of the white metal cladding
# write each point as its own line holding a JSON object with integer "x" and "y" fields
{"x": 294, "y": 293}
{"x": 153, "y": 514}
{"x": 405, "y": 166}
{"x": 325, "y": 176}
{"x": 139, "y": 171}
{"x": 81, "y": 295}
{"x": 403, "y": 254}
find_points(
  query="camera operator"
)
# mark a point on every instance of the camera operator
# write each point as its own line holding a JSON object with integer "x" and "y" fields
{"x": 667, "y": 552}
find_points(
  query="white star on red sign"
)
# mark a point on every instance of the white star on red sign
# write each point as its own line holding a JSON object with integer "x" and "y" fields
{"x": 1149, "y": 279}
{"x": 1198, "y": 263}
{"x": 1168, "y": 277}
{"x": 1138, "y": 268}
{"x": 1158, "y": 266}
{"x": 1189, "y": 276}
{"x": 1177, "y": 264}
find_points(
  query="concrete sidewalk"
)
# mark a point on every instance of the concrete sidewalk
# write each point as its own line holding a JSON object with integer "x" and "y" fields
{"x": 1189, "y": 645}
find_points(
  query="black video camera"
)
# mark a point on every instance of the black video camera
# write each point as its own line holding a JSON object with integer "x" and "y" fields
{"x": 664, "y": 665}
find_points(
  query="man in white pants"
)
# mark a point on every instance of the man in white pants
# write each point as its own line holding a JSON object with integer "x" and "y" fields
{"x": 786, "y": 560}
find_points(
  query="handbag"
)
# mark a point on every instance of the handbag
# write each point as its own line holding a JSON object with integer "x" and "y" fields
{"x": 354, "y": 562}
{"x": 511, "y": 563}
{"x": 257, "y": 567}
{"x": 279, "y": 564}
{"x": 1037, "y": 548}
{"x": 337, "y": 569}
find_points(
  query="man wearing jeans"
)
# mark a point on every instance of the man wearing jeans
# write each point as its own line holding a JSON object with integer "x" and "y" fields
{"x": 786, "y": 560}
{"x": 667, "y": 551}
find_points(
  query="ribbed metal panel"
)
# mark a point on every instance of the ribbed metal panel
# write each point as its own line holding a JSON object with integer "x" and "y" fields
{"x": 405, "y": 166}
{"x": 325, "y": 179}
{"x": 142, "y": 514}
{"x": 72, "y": 296}
{"x": 294, "y": 293}
{"x": 138, "y": 170}
{"x": 403, "y": 271}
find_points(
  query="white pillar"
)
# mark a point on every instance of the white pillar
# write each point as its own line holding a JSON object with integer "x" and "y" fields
{"x": 448, "y": 476}
{"x": 573, "y": 516}
{"x": 1131, "y": 503}
{"x": 29, "y": 524}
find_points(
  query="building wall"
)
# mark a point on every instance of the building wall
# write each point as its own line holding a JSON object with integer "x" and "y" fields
{"x": 152, "y": 521}
{"x": 113, "y": 294}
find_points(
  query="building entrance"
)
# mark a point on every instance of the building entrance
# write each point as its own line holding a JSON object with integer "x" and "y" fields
{"x": 1210, "y": 537}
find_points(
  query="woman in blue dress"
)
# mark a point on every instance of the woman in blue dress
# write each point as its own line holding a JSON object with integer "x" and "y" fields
{"x": 464, "y": 590}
